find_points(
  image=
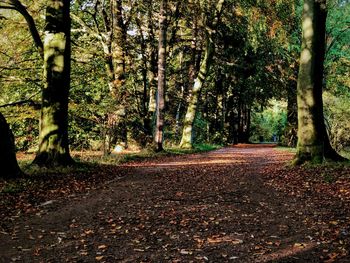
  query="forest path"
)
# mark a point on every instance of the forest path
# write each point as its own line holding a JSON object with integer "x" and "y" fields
{"x": 211, "y": 207}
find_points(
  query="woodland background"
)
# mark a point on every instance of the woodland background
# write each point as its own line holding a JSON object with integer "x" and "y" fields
{"x": 249, "y": 89}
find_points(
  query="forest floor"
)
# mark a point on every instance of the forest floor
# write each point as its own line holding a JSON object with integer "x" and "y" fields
{"x": 236, "y": 204}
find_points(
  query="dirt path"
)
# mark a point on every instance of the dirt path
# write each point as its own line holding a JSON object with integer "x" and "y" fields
{"x": 212, "y": 207}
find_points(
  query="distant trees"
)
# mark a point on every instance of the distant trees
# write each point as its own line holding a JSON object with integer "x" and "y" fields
{"x": 106, "y": 23}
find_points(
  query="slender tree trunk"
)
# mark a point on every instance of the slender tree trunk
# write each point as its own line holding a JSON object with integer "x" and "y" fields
{"x": 187, "y": 133}
{"x": 152, "y": 72}
{"x": 311, "y": 135}
{"x": 152, "y": 49}
{"x": 158, "y": 138}
{"x": 53, "y": 136}
{"x": 290, "y": 133}
{"x": 8, "y": 161}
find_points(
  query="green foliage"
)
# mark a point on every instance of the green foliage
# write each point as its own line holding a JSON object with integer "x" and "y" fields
{"x": 337, "y": 95}
{"x": 269, "y": 123}
{"x": 328, "y": 178}
{"x": 13, "y": 187}
{"x": 257, "y": 46}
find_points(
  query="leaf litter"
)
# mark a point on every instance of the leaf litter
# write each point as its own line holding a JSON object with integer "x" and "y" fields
{"x": 240, "y": 204}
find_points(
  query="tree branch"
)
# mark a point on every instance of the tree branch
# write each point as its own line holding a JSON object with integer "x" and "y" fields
{"x": 19, "y": 7}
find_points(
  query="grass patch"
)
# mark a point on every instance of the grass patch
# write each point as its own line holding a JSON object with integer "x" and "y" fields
{"x": 345, "y": 154}
{"x": 287, "y": 149}
{"x": 12, "y": 187}
{"x": 34, "y": 170}
{"x": 198, "y": 148}
{"x": 328, "y": 178}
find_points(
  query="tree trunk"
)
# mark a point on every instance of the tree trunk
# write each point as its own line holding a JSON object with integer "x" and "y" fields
{"x": 8, "y": 161}
{"x": 187, "y": 133}
{"x": 158, "y": 138}
{"x": 310, "y": 146}
{"x": 119, "y": 92}
{"x": 290, "y": 133}
{"x": 53, "y": 136}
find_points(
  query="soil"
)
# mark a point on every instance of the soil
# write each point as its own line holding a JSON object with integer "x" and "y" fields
{"x": 236, "y": 204}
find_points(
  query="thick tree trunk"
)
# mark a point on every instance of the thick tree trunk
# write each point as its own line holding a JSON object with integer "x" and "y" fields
{"x": 311, "y": 135}
{"x": 53, "y": 136}
{"x": 158, "y": 136}
{"x": 8, "y": 161}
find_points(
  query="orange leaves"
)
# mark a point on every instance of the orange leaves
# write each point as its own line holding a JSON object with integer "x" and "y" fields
{"x": 103, "y": 247}
{"x": 224, "y": 239}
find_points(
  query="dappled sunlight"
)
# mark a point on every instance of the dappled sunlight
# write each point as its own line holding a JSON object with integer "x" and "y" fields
{"x": 290, "y": 251}
{"x": 189, "y": 162}
{"x": 245, "y": 154}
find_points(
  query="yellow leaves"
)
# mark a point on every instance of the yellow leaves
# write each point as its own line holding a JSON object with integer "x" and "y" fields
{"x": 103, "y": 247}
{"x": 185, "y": 252}
{"x": 87, "y": 232}
{"x": 224, "y": 239}
{"x": 299, "y": 245}
{"x": 239, "y": 11}
{"x": 99, "y": 258}
{"x": 334, "y": 222}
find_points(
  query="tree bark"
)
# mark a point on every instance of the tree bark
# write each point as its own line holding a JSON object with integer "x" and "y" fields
{"x": 187, "y": 133}
{"x": 310, "y": 146}
{"x": 53, "y": 135}
{"x": 119, "y": 93}
{"x": 19, "y": 7}
{"x": 160, "y": 102}
{"x": 290, "y": 133}
{"x": 8, "y": 161}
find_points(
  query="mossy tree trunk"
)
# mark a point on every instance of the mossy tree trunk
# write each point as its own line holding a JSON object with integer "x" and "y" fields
{"x": 194, "y": 96}
{"x": 160, "y": 102}
{"x": 310, "y": 147}
{"x": 8, "y": 161}
{"x": 187, "y": 132}
{"x": 53, "y": 135}
{"x": 119, "y": 92}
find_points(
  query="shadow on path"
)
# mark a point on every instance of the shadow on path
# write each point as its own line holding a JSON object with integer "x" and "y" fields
{"x": 212, "y": 207}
